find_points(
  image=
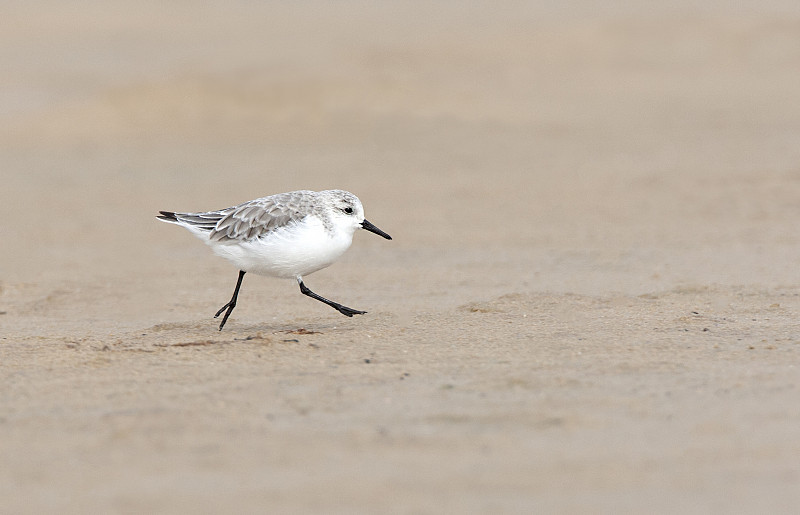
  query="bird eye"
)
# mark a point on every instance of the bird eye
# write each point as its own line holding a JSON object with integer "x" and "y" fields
{"x": 348, "y": 210}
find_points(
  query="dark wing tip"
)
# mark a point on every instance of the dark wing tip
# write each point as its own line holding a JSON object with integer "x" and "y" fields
{"x": 167, "y": 216}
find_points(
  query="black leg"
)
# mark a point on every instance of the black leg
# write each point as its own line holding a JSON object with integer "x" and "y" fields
{"x": 232, "y": 304}
{"x": 335, "y": 305}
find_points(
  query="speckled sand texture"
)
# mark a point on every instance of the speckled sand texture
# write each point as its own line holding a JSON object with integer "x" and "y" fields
{"x": 590, "y": 305}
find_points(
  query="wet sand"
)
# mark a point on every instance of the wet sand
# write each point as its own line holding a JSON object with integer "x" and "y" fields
{"x": 590, "y": 303}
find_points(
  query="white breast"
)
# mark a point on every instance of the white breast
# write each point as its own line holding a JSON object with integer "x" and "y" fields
{"x": 297, "y": 250}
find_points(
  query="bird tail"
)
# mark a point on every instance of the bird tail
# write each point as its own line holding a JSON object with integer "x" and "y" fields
{"x": 168, "y": 216}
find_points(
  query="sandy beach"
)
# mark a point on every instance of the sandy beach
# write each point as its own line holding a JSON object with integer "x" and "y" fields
{"x": 591, "y": 303}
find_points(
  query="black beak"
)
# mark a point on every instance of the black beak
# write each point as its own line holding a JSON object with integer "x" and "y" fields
{"x": 371, "y": 228}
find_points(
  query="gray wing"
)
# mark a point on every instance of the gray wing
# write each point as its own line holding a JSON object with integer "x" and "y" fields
{"x": 255, "y": 218}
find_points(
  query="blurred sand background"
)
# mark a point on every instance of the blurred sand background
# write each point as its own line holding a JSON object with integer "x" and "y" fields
{"x": 590, "y": 303}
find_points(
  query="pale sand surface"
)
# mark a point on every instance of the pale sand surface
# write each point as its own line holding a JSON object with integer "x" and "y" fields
{"x": 590, "y": 303}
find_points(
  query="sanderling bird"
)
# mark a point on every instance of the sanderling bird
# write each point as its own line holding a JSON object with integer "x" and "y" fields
{"x": 285, "y": 235}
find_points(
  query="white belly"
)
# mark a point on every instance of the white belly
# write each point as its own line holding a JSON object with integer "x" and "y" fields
{"x": 288, "y": 252}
